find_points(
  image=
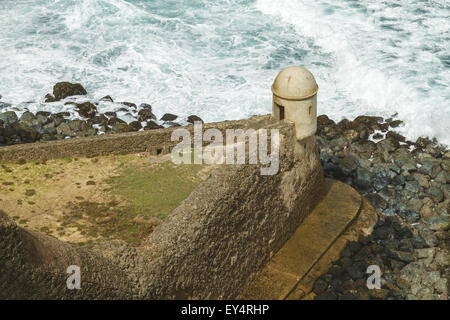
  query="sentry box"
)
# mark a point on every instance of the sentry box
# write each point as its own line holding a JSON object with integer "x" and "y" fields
{"x": 295, "y": 99}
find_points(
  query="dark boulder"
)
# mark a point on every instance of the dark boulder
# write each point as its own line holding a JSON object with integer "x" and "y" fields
{"x": 136, "y": 125}
{"x": 113, "y": 121}
{"x": 151, "y": 125}
{"x": 121, "y": 128}
{"x": 145, "y": 115}
{"x": 111, "y": 114}
{"x": 49, "y": 98}
{"x": 86, "y": 110}
{"x": 193, "y": 118}
{"x": 145, "y": 106}
{"x": 62, "y": 90}
{"x": 129, "y": 104}
{"x": 100, "y": 119}
{"x": 168, "y": 117}
{"x": 28, "y": 119}
{"x": 107, "y": 98}
{"x": 9, "y": 117}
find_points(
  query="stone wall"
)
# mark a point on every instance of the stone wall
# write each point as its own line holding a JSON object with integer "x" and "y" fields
{"x": 153, "y": 141}
{"x": 208, "y": 248}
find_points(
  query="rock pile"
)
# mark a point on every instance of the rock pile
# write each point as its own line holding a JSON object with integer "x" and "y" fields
{"x": 86, "y": 120}
{"x": 407, "y": 182}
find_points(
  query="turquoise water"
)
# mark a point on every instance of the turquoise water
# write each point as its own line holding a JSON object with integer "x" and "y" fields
{"x": 217, "y": 59}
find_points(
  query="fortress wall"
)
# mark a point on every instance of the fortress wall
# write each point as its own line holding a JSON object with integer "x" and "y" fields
{"x": 153, "y": 141}
{"x": 208, "y": 248}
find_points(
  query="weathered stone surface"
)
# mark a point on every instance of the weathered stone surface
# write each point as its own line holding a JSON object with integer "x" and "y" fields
{"x": 235, "y": 218}
{"x": 8, "y": 117}
{"x": 87, "y": 110}
{"x": 62, "y": 90}
{"x": 145, "y": 115}
{"x": 194, "y": 118}
{"x": 168, "y": 117}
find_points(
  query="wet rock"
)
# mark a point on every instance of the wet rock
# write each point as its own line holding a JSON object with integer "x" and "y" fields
{"x": 395, "y": 123}
{"x": 438, "y": 223}
{"x": 107, "y": 98}
{"x": 172, "y": 124}
{"x": 49, "y": 98}
{"x": 430, "y": 167}
{"x": 62, "y": 90}
{"x": 87, "y": 132}
{"x": 100, "y": 119}
{"x": 378, "y": 136}
{"x": 111, "y": 114}
{"x": 395, "y": 137}
{"x": 436, "y": 194}
{"x": 320, "y": 286}
{"x": 422, "y": 143}
{"x": 65, "y": 130}
{"x": 356, "y": 270}
{"x": 429, "y": 237}
{"x": 120, "y": 127}
{"x": 136, "y": 125}
{"x": 378, "y": 294}
{"x": 86, "y": 110}
{"x": 323, "y": 121}
{"x": 28, "y": 118}
{"x": 403, "y": 256}
{"x": 151, "y": 125}
{"x": 77, "y": 125}
{"x": 401, "y": 156}
{"x": 193, "y": 118}
{"x": 363, "y": 179}
{"x": 129, "y": 104}
{"x": 145, "y": 106}
{"x": 377, "y": 201}
{"x": 168, "y": 117}
{"x": 9, "y": 117}
{"x": 388, "y": 145}
{"x": 50, "y": 128}
{"x": 412, "y": 187}
{"x": 399, "y": 180}
{"x": 113, "y": 121}
{"x": 145, "y": 115}
{"x": 418, "y": 242}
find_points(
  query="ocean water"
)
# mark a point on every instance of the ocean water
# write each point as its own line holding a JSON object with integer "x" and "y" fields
{"x": 217, "y": 59}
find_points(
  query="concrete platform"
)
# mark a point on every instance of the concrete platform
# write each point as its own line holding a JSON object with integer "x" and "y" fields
{"x": 340, "y": 217}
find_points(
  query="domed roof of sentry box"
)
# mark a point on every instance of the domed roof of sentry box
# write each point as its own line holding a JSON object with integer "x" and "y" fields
{"x": 295, "y": 83}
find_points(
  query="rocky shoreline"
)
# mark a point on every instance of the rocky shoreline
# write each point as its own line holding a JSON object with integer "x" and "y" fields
{"x": 407, "y": 183}
{"x": 86, "y": 118}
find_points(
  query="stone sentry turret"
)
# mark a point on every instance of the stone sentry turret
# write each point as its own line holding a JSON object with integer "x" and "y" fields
{"x": 295, "y": 99}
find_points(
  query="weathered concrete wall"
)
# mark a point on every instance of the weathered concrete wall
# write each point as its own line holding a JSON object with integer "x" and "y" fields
{"x": 209, "y": 247}
{"x": 152, "y": 141}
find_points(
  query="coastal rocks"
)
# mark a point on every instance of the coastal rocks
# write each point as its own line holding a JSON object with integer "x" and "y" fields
{"x": 88, "y": 118}
{"x": 8, "y": 117}
{"x": 62, "y": 90}
{"x": 86, "y": 110}
{"x": 151, "y": 125}
{"x": 193, "y": 118}
{"x": 107, "y": 98}
{"x": 409, "y": 189}
{"x": 168, "y": 117}
{"x": 145, "y": 115}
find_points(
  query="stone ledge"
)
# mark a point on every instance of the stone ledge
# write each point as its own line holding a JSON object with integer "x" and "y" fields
{"x": 317, "y": 241}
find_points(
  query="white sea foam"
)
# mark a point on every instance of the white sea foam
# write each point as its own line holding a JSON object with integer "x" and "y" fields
{"x": 217, "y": 59}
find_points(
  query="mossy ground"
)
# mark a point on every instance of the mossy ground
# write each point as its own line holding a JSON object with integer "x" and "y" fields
{"x": 86, "y": 200}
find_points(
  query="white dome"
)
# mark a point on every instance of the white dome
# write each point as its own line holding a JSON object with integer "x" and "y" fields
{"x": 295, "y": 83}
